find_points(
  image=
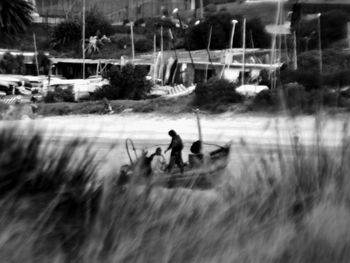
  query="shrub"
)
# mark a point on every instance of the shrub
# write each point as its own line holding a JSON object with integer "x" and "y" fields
{"x": 333, "y": 28}
{"x": 11, "y": 64}
{"x": 308, "y": 78}
{"x": 3, "y": 107}
{"x": 266, "y": 99}
{"x": 43, "y": 62}
{"x": 129, "y": 82}
{"x": 66, "y": 33}
{"x": 296, "y": 98}
{"x": 52, "y": 182}
{"x": 336, "y": 65}
{"x": 69, "y": 32}
{"x": 215, "y": 92}
{"x": 96, "y": 23}
{"x": 123, "y": 43}
{"x": 143, "y": 45}
{"x": 60, "y": 95}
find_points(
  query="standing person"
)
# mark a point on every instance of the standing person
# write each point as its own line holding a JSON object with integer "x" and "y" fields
{"x": 34, "y": 106}
{"x": 107, "y": 106}
{"x": 176, "y": 147}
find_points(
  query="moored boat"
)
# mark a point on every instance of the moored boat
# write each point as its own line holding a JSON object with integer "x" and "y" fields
{"x": 203, "y": 170}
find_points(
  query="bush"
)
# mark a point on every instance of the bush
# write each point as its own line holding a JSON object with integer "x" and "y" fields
{"x": 333, "y": 28}
{"x": 96, "y": 23}
{"x": 216, "y": 92}
{"x": 129, "y": 82}
{"x": 296, "y": 98}
{"x": 60, "y": 95}
{"x": 3, "y": 108}
{"x": 43, "y": 62}
{"x": 65, "y": 34}
{"x": 123, "y": 43}
{"x": 10, "y": 64}
{"x": 69, "y": 32}
{"x": 308, "y": 78}
{"x": 143, "y": 45}
{"x": 336, "y": 65}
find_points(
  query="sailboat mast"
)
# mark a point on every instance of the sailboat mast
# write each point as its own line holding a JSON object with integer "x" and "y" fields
{"x": 83, "y": 44}
{"x": 244, "y": 48}
{"x": 132, "y": 41}
{"x": 36, "y": 55}
{"x": 162, "y": 54}
{"x": 273, "y": 48}
{"x": 295, "y": 60}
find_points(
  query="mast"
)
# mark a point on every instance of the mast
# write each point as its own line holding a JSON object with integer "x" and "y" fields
{"x": 36, "y": 55}
{"x": 273, "y": 48}
{"x": 200, "y": 137}
{"x": 132, "y": 41}
{"x": 162, "y": 54}
{"x": 295, "y": 60}
{"x": 208, "y": 50}
{"x": 348, "y": 34}
{"x": 83, "y": 44}
{"x": 244, "y": 47}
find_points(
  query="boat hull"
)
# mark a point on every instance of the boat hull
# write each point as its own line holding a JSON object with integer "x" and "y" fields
{"x": 204, "y": 175}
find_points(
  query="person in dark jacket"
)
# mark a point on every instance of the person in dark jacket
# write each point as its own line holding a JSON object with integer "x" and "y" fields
{"x": 176, "y": 147}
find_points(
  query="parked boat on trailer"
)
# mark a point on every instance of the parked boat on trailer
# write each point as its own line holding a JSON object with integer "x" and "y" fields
{"x": 17, "y": 85}
{"x": 250, "y": 90}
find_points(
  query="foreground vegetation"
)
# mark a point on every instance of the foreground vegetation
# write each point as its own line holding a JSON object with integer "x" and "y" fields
{"x": 55, "y": 209}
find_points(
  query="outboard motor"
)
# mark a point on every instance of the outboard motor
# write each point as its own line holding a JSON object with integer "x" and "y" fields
{"x": 196, "y": 147}
{"x": 195, "y": 159}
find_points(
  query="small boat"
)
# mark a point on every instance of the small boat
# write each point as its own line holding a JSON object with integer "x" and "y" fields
{"x": 202, "y": 171}
{"x": 168, "y": 92}
{"x": 250, "y": 90}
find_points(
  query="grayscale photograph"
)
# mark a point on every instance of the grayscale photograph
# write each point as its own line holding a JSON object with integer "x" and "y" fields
{"x": 175, "y": 131}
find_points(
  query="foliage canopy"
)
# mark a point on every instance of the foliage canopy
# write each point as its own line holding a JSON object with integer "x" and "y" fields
{"x": 15, "y": 16}
{"x": 221, "y": 32}
{"x": 128, "y": 82}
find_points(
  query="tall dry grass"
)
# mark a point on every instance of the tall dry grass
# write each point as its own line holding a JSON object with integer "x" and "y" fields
{"x": 55, "y": 210}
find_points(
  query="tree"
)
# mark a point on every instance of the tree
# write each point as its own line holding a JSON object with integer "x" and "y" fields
{"x": 65, "y": 34}
{"x": 222, "y": 27}
{"x": 96, "y": 23}
{"x": 333, "y": 28}
{"x": 43, "y": 63}
{"x": 129, "y": 82}
{"x": 12, "y": 64}
{"x": 15, "y": 16}
{"x": 69, "y": 32}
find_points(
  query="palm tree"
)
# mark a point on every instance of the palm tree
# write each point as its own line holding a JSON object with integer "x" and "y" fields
{"x": 15, "y": 16}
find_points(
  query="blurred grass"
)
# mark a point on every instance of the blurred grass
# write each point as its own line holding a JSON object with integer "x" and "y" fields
{"x": 55, "y": 210}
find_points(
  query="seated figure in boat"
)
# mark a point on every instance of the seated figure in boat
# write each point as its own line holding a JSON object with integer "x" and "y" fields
{"x": 196, "y": 157}
{"x": 176, "y": 147}
{"x": 158, "y": 162}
